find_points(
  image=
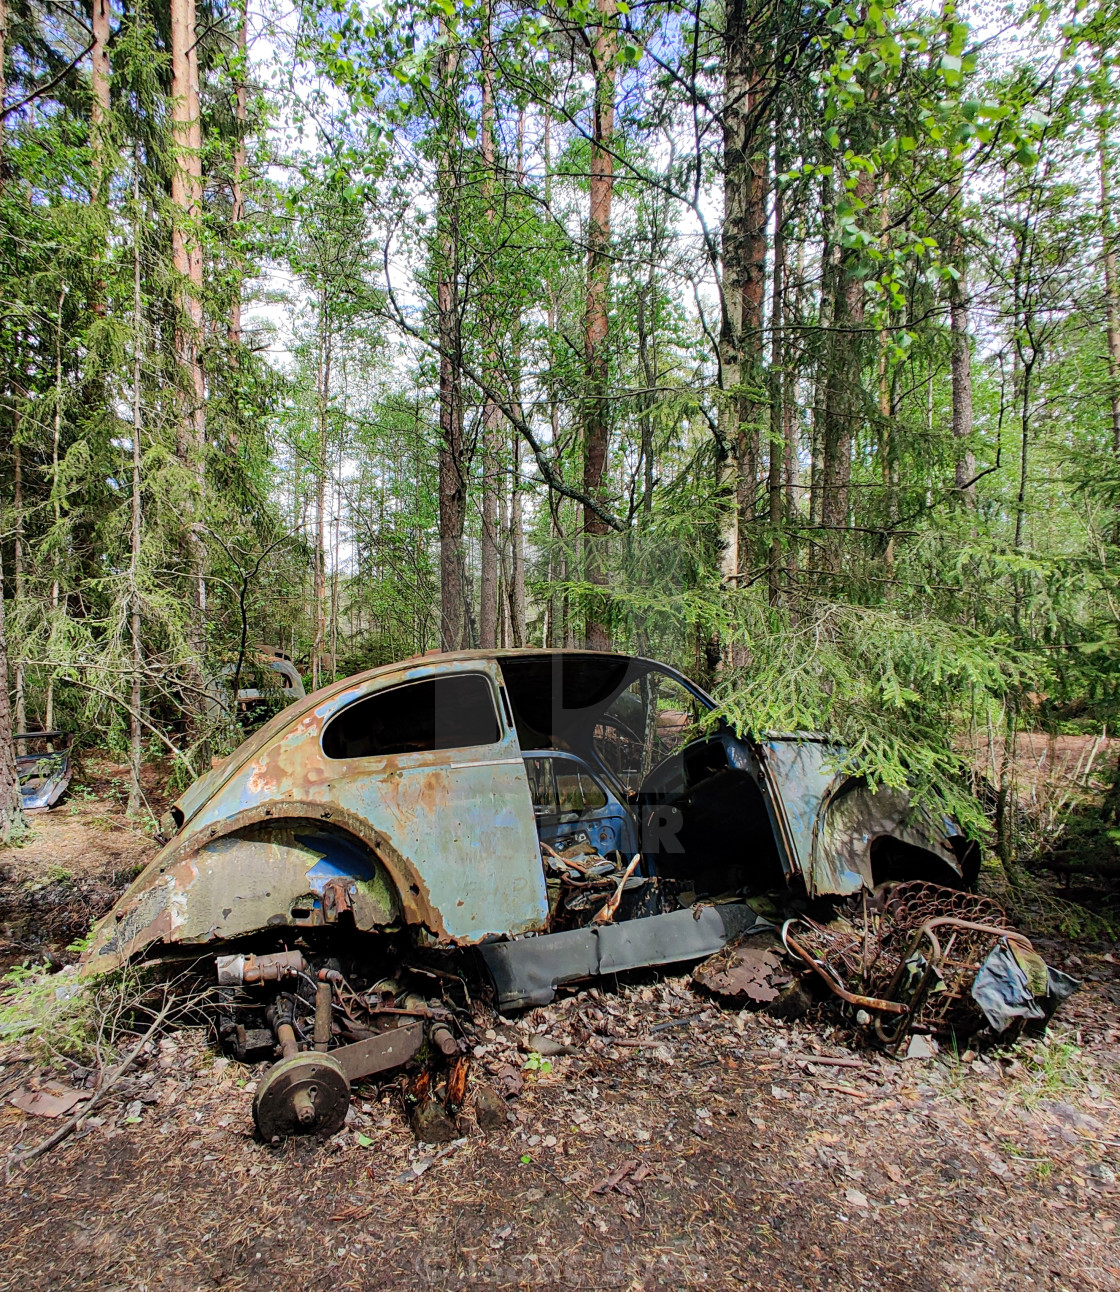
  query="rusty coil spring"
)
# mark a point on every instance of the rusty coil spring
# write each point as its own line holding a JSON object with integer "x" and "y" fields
{"x": 866, "y": 951}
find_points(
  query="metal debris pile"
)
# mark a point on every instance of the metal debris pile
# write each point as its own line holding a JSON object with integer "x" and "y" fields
{"x": 911, "y": 958}
{"x": 332, "y": 1028}
{"x": 584, "y": 886}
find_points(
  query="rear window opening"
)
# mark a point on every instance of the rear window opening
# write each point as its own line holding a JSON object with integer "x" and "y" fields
{"x": 454, "y": 712}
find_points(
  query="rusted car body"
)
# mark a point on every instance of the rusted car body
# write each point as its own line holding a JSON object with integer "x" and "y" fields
{"x": 400, "y": 798}
{"x": 43, "y": 777}
{"x": 531, "y": 817}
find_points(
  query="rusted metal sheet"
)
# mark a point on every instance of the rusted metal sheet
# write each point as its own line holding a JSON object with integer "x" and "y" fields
{"x": 852, "y": 819}
{"x": 799, "y": 770}
{"x": 379, "y": 1053}
{"x": 442, "y": 839}
{"x": 753, "y": 970}
{"x": 528, "y": 971}
{"x": 43, "y": 778}
{"x": 830, "y": 818}
{"x": 286, "y": 833}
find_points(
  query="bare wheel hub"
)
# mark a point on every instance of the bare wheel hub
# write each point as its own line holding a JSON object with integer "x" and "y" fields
{"x": 307, "y": 1094}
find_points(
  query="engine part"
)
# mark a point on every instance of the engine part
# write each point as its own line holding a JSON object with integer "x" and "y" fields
{"x": 251, "y": 1044}
{"x": 323, "y": 998}
{"x": 239, "y": 970}
{"x": 303, "y": 1094}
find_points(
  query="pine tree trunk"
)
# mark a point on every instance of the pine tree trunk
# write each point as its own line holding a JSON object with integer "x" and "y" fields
{"x": 186, "y": 197}
{"x": 491, "y": 415}
{"x": 1111, "y": 286}
{"x": 17, "y": 543}
{"x": 323, "y": 392}
{"x": 135, "y": 795}
{"x": 844, "y": 395}
{"x": 237, "y": 203}
{"x": 517, "y": 550}
{"x": 596, "y": 412}
{"x": 56, "y": 509}
{"x": 453, "y": 459}
{"x": 736, "y": 103}
{"x": 99, "y": 103}
{"x": 648, "y": 369}
{"x": 10, "y": 803}
{"x": 961, "y": 362}
{"x": 774, "y": 474}
{"x": 745, "y": 188}
{"x": 753, "y": 401}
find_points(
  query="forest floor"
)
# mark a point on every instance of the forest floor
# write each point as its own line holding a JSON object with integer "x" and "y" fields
{"x": 714, "y": 1152}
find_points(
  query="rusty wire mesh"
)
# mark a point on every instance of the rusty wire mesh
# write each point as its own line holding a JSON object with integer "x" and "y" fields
{"x": 866, "y": 950}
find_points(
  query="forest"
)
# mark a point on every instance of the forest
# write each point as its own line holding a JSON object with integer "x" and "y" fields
{"x": 778, "y": 342}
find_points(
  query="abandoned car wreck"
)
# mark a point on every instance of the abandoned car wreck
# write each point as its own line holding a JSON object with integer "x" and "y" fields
{"x": 520, "y": 819}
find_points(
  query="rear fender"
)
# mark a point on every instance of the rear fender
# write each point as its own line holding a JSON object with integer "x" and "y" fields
{"x": 291, "y": 871}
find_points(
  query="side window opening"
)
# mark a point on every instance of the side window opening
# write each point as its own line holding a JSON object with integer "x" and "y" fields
{"x": 455, "y": 712}
{"x": 560, "y": 787}
{"x": 542, "y": 785}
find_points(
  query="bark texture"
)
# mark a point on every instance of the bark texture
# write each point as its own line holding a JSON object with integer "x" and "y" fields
{"x": 491, "y": 415}
{"x": 844, "y": 393}
{"x": 10, "y": 813}
{"x": 99, "y": 83}
{"x": 1111, "y": 287}
{"x": 743, "y": 255}
{"x": 961, "y": 368}
{"x": 453, "y": 460}
{"x": 186, "y": 248}
{"x": 237, "y": 198}
{"x": 596, "y": 418}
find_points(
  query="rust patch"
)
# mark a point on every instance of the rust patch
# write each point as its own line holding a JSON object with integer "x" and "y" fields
{"x": 752, "y": 969}
{"x": 147, "y": 913}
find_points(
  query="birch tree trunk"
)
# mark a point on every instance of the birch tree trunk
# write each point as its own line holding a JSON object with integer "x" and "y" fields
{"x": 596, "y": 412}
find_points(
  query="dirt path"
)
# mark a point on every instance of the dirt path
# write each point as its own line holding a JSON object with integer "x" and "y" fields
{"x": 738, "y": 1164}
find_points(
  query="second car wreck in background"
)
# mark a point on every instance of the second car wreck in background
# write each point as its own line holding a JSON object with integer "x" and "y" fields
{"x": 533, "y": 817}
